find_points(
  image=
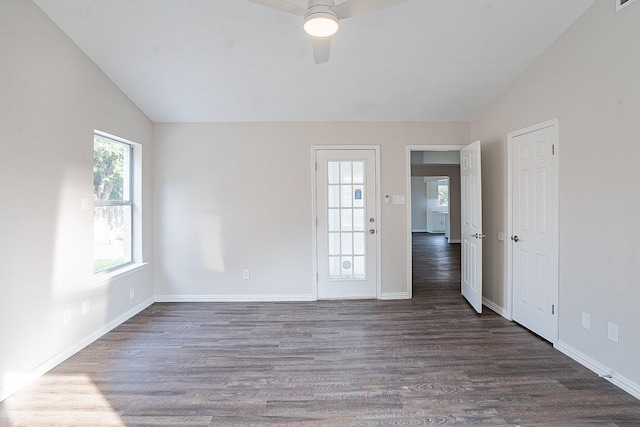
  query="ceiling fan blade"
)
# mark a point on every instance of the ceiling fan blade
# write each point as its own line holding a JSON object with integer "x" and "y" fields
{"x": 282, "y": 5}
{"x": 350, "y": 8}
{"x": 321, "y": 48}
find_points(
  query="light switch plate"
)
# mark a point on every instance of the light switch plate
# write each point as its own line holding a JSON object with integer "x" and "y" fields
{"x": 399, "y": 200}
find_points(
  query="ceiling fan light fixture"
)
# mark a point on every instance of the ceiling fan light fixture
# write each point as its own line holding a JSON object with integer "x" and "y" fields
{"x": 321, "y": 21}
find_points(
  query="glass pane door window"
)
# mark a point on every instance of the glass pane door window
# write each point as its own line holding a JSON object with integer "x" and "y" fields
{"x": 346, "y": 226}
{"x": 346, "y": 220}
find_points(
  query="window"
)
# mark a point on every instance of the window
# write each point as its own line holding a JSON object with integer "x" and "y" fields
{"x": 443, "y": 193}
{"x": 113, "y": 204}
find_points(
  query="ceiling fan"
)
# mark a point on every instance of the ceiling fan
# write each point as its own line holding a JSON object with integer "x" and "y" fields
{"x": 321, "y": 18}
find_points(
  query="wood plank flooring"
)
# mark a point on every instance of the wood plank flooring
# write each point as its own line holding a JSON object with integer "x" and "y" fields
{"x": 427, "y": 361}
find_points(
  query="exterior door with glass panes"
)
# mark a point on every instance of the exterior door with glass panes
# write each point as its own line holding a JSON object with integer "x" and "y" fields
{"x": 346, "y": 230}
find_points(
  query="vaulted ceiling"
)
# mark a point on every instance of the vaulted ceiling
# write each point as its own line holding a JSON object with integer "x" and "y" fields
{"x": 237, "y": 61}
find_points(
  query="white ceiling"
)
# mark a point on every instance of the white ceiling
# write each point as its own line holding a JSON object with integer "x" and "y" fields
{"x": 236, "y": 61}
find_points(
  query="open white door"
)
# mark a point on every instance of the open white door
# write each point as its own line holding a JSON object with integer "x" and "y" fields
{"x": 471, "y": 193}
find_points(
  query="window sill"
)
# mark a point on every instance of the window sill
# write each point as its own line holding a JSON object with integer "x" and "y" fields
{"x": 106, "y": 278}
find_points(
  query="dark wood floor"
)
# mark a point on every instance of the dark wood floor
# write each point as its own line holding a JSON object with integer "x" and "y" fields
{"x": 428, "y": 361}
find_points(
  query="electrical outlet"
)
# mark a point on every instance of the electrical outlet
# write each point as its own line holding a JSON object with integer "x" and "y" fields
{"x": 86, "y": 306}
{"x": 246, "y": 275}
{"x": 612, "y": 332}
{"x": 586, "y": 320}
{"x": 500, "y": 236}
{"x": 132, "y": 294}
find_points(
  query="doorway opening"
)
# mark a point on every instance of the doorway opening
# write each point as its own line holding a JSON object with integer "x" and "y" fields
{"x": 434, "y": 216}
{"x": 430, "y": 205}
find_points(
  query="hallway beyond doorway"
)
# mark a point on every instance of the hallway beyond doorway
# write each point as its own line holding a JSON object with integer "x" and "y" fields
{"x": 435, "y": 264}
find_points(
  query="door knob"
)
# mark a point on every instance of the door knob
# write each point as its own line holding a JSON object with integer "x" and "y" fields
{"x": 515, "y": 238}
{"x": 372, "y": 231}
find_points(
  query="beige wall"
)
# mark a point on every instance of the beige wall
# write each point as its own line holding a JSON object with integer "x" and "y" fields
{"x": 230, "y": 197}
{"x": 418, "y": 204}
{"x": 590, "y": 80}
{"x": 52, "y": 97}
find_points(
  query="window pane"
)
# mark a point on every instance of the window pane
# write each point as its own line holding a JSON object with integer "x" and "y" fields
{"x": 334, "y": 196}
{"x": 347, "y": 222}
{"x": 111, "y": 237}
{"x": 347, "y": 244}
{"x": 358, "y": 243}
{"x": 334, "y": 220}
{"x": 359, "y": 268}
{"x": 334, "y": 243}
{"x": 358, "y": 172}
{"x": 334, "y": 172}
{"x": 345, "y": 173}
{"x": 334, "y": 267}
{"x": 358, "y": 196}
{"x": 358, "y": 220}
{"x": 111, "y": 169}
{"x": 113, "y": 202}
{"x": 443, "y": 195}
{"x": 346, "y": 196}
{"x": 347, "y": 267}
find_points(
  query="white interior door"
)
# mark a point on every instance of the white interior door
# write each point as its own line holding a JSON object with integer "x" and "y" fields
{"x": 533, "y": 216}
{"x": 471, "y": 194}
{"x": 346, "y": 230}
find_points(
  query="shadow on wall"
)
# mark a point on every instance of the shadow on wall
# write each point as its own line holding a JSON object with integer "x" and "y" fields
{"x": 30, "y": 287}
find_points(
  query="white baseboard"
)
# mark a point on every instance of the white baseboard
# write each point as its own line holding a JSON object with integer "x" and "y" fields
{"x": 235, "y": 298}
{"x": 259, "y": 298}
{"x": 586, "y": 361}
{"x": 394, "y": 295}
{"x": 23, "y": 379}
{"x": 455, "y": 241}
{"x": 495, "y": 307}
{"x": 419, "y": 230}
{"x": 600, "y": 369}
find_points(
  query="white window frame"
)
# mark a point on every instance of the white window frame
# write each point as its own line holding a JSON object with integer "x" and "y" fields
{"x": 438, "y": 185}
{"x": 135, "y": 184}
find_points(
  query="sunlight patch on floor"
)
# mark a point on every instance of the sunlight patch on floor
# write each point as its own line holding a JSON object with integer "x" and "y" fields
{"x": 69, "y": 400}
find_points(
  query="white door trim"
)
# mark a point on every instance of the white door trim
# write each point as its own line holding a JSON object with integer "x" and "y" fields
{"x": 314, "y": 212}
{"x": 409, "y": 149}
{"x": 554, "y": 123}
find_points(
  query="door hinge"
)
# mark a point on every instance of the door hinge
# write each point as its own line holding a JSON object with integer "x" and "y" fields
{"x": 553, "y": 309}
{"x": 553, "y": 149}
